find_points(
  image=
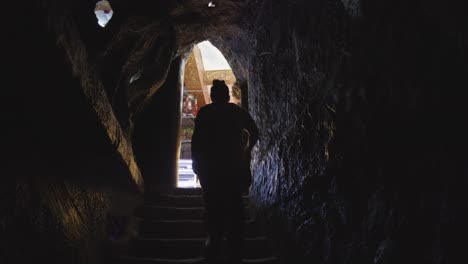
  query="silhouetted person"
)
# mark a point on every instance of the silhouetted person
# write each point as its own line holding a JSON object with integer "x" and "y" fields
{"x": 222, "y": 140}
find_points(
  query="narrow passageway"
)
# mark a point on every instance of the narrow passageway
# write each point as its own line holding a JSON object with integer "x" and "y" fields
{"x": 204, "y": 64}
{"x": 360, "y": 107}
{"x": 171, "y": 230}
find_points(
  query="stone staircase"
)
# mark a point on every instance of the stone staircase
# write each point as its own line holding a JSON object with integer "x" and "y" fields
{"x": 171, "y": 231}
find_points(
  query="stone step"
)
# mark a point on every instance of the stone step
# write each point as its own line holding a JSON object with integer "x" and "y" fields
{"x": 134, "y": 260}
{"x": 169, "y": 213}
{"x": 254, "y": 248}
{"x": 174, "y": 213}
{"x": 185, "y": 191}
{"x": 171, "y": 230}
{"x": 183, "y": 201}
{"x": 186, "y": 229}
{"x": 170, "y": 200}
{"x": 178, "y": 191}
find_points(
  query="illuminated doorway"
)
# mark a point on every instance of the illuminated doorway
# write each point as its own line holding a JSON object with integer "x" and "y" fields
{"x": 204, "y": 64}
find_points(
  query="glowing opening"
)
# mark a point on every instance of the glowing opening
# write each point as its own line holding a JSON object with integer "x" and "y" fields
{"x": 103, "y": 11}
{"x": 204, "y": 64}
{"x": 213, "y": 59}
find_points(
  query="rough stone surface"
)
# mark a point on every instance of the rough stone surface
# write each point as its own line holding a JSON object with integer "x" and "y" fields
{"x": 357, "y": 163}
{"x": 67, "y": 152}
{"x": 71, "y": 214}
{"x": 360, "y": 105}
{"x": 156, "y": 133}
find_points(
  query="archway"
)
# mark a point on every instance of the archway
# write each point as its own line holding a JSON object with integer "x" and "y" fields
{"x": 204, "y": 64}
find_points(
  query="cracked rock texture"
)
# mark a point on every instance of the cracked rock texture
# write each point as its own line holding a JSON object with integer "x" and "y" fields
{"x": 360, "y": 104}
{"x": 360, "y": 159}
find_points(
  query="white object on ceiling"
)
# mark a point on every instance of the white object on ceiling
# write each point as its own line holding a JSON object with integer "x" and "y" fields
{"x": 103, "y": 12}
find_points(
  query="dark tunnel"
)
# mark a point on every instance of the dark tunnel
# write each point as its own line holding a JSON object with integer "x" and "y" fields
{"x": 360, "y": 106}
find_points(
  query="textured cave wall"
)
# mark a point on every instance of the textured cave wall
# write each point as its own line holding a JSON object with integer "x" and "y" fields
{"x": 71, "y": 160}
{"x": 79, "y": 90}
{"x": 298, "y": 52}
{"x": 150, "y": 79}
{"x": 362, "y": 129}
{"x": 360, "y": 106}
{"x": 59, "y": 223}
{"x": 156, "y": 133}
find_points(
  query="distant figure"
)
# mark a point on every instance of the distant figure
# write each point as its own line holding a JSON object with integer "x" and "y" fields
{"x": 223, "y": 138}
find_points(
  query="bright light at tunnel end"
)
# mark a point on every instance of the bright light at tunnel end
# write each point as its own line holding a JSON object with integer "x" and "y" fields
{"x": 211, "y": 4}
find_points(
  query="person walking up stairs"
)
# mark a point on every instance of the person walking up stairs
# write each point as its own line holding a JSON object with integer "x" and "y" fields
{"x": 171, "y": 230}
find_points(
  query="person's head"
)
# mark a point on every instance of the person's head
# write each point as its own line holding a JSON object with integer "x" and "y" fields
{"x": 219, "y": 92}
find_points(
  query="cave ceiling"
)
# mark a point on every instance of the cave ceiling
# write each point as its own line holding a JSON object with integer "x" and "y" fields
{"x": 147, "y": 42}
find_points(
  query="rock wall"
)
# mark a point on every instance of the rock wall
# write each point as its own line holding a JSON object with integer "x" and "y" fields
{"x": 156, "y": 133}
{"x": 360, "y": 106}
{"x": 360, "y": 157}
{"x": 67, "y": 152}
{"x": 59, "y": 223}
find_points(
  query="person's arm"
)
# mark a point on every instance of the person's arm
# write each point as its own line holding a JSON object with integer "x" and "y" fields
{"x": 253, "y": 130}
{"x": 197, "y": 141}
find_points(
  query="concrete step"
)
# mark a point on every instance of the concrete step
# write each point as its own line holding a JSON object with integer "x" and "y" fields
{"x": 185, "y": 191}
{"x": 169, "y": 213}
{"x": 134, "y": 260}
{"x": 172, "y": 232}
{"x": 174, "y": 213}
{"x": 169, "y": 200}
{"x": 183, "y": 201}
{"x": 254, "y": 248}
{"x": 187, "y": 229}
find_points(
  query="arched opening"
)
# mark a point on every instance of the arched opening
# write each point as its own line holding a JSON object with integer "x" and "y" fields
{"x": 204, "y": 64}
{"x": 359, "y": 106}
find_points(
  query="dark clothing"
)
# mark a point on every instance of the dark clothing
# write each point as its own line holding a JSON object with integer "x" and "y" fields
{"x": 224, "y": 213}
{"x": 217, "y": 145}
{"x": 221, "y": 159}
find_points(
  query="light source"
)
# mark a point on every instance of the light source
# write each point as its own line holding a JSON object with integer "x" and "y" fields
{"x": 103, "y": 11}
